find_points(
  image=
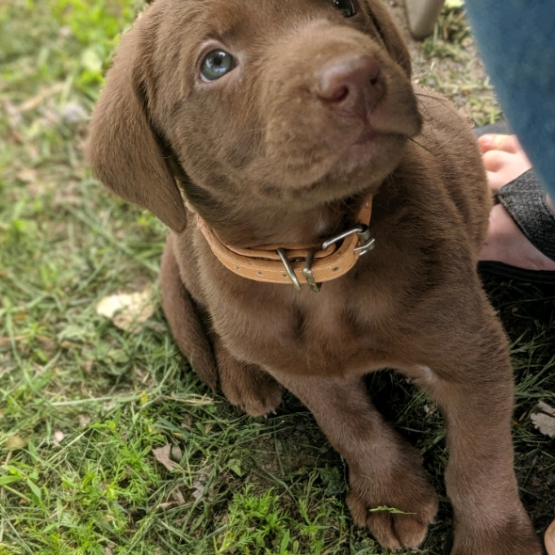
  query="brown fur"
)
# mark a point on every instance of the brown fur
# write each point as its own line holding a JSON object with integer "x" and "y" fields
{"x": 264, "y": 156}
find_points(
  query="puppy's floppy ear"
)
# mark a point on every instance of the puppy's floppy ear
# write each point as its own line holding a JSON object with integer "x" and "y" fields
{"x": 382, "y": 20}
{"x": 122, "y": 146}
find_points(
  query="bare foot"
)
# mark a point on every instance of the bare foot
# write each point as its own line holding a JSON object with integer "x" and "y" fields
{"x": 504, "y": 160}
{"x": 550, "y": 539}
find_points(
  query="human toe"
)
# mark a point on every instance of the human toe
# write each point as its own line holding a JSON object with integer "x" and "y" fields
{"x": 550, "y": 539}
{"x": 505, "y": 143}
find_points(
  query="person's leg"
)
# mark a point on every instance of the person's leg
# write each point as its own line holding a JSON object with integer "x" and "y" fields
{"x": 505, "y": 160}
{"x": 515, "y": 39}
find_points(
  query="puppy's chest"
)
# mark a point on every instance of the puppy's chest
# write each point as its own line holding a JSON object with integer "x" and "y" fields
{"x": 330, "y": 332}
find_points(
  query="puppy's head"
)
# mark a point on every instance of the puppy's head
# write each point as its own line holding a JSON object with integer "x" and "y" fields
{"x": 267, "y": 102}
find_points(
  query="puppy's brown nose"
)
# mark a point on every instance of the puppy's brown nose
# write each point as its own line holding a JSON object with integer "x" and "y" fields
{"x": 350, "y": 85}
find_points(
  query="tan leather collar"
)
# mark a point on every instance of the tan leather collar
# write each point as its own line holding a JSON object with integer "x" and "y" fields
{"x": 297, "y": 264}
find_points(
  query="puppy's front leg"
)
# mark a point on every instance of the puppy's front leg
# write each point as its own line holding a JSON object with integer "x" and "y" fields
{"x": 184, "y": 319}
{"x": 389, "y": 490}
{"x": 476, "y": 398}
{"x": 246, "y": 386}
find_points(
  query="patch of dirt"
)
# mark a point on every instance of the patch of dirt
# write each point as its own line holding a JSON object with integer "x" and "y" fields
{"x": 537, "y": 483}
{"x": 449, "y": 62}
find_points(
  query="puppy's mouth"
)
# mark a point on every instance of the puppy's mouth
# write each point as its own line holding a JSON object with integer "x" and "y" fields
{"x": 346, "y": 169}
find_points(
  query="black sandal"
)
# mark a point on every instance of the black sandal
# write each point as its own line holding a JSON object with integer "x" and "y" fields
{"x": 524, "y": 200}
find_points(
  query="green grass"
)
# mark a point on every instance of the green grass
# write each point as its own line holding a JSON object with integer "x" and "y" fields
{"x": 83, "y": 404}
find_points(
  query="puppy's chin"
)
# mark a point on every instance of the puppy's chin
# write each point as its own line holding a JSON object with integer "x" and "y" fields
{"x": 361, "y": 167}
{"x": 371, "y": 150}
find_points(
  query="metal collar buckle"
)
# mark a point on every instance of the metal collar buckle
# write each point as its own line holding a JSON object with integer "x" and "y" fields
{"x": 367, "y": 244}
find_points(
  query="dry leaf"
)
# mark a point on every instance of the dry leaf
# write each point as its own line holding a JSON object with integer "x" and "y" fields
{"x": 198, "y": 489}
{"x": 543, "y": 418}
{"x": 83, "y": 420}
{"x": 127, "y": 310}
{"x": 14, "y": 115}
{"x": 15, "y": 442}
{"x": 28, "y": 175}
{"x": 58, "y": 437}
{"x": 162, "y": 455}
{"x": 178, "y": 496}
{"x": 187, "y": 422}
{"x": 199, "y": 485}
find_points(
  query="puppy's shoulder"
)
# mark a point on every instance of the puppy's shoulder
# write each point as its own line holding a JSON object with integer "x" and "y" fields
{"x": 454, "y": 162}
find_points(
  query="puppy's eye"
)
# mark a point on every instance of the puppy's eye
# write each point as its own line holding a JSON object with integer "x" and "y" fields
{"x": 216, "y": 64}
{"x": 346, "y": 7}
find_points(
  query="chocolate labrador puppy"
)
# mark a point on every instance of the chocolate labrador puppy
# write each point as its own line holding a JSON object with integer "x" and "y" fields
{"x": 325, "y": 220}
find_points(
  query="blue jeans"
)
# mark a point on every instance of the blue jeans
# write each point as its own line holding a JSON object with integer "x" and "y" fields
{"x": 516, "y": 39}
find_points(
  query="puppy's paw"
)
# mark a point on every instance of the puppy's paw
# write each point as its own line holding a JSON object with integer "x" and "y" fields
{"x": 398, "y": 511}
{"x": 250, "y": 389}
{"x": 517, "y": 537}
